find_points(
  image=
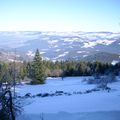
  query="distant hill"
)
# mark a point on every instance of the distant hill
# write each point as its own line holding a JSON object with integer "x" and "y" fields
{"x": 89, "y": 46}
{"x": 102, "y": 57}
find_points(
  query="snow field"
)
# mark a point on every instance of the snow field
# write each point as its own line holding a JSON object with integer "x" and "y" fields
{"x": 92, "y": 106}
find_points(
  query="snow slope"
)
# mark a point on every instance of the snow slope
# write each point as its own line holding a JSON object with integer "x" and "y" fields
{"x": 100, "y": 105}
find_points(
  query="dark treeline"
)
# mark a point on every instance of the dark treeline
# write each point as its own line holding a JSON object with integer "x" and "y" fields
{"x": 56, "y": 69}
{"x": 75, "y": 68}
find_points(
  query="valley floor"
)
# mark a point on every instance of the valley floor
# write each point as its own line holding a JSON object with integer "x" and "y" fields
{"x": 98, "y": 105}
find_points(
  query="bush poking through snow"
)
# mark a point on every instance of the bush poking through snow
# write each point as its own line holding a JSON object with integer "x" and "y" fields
{"x": 59, "y": 92}
{"x": 28, "y": 95}
{"x": 45, "y": 95}
{"x": 102, "y": 81}
{"x": 91, "y": 81}
{"x": 39, "y": 95}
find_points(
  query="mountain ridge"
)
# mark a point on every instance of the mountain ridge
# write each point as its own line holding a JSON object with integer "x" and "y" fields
{"x": 62, "y": 45}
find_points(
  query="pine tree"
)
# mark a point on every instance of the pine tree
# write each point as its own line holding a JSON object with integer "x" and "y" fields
{"x": 5, "y": 76}
{"x": 38, "y": 75}
{"x": 22, "y": 72}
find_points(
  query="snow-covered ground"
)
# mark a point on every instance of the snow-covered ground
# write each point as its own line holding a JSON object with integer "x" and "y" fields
{"x": 99, "y": 105}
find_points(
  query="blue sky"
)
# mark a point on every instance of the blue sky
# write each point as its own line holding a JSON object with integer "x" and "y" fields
{"x": 60, "y": 15}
